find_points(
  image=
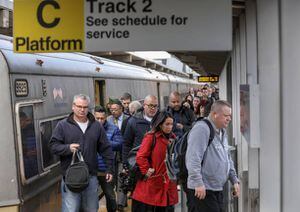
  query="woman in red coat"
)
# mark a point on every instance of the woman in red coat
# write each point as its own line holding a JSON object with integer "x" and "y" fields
{"x": 155, "y": 192}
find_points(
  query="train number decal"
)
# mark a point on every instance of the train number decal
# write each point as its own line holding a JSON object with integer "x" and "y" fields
{"x": 21, "y": 88}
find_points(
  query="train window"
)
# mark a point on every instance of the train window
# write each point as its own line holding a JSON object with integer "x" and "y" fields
{"x": 46, "y": 129}
{"x": 28, "y": 139}
{"x": 54, "y": 122}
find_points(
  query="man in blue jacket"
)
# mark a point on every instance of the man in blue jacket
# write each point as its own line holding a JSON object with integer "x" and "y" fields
{"x": 117, "y": 118}
{"x": 210, "y": 165}
{"x": 116, "y": 140}
{"x": 80, "y": 131}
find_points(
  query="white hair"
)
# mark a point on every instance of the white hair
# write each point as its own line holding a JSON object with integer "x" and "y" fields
{"x": 83, "y": 97}
{"x": 135, "y": 106}
{"x": 150, "y": 97}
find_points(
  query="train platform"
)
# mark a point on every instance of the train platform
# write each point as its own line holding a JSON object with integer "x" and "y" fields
{"x": 179, "y": 207}
{"x": 102, "y": 206}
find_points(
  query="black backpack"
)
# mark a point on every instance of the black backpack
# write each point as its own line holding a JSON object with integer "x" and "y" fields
{"x": 77, "y": 175}
{"x": 133, "y": 167}
{"x": 175, "y": 156}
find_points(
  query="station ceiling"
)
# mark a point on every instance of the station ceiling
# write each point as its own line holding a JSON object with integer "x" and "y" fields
{"x": 211, "y": 63}
{"x": 204, "y": 63}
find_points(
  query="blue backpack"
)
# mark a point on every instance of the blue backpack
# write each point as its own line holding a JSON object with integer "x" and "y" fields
{"x": 175, "y": 158}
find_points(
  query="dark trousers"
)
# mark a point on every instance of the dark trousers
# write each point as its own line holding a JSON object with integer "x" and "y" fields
{"x": 138, "y": 206}
{"x": 109, "y": 193}
{"x": 213, "y": 201}
{"x": 121, "y": 196}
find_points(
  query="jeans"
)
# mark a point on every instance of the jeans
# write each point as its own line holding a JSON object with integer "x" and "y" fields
{"x": 110, "y": 196}
{"x": 87, "y": 200}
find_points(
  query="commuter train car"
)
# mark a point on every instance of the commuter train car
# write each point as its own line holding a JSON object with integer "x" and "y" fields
{"x": 36, "y": 91}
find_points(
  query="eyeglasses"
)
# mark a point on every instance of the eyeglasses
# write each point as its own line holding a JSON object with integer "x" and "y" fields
{"x": 152, "y": 106}
{"x": 81, "y": 107}
{"x": 115, "y": 110}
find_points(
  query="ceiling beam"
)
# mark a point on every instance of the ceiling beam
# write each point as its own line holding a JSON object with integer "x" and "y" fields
{"x": 123, "y": 58}
{"x": 139, "y": 62}
{"x": 188, "y": 59}
{"x": 151, "y": 65}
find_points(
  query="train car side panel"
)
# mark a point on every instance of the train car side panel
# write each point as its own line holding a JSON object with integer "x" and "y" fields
{"x": 164, "y": 94}
{"x": 8, "y": 176}
{"x": 49, "y": 99}
{"x": 137, "y": 88}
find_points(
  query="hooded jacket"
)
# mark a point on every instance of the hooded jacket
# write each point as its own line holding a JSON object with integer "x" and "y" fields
{"x": 92, "y": 141}
{"x": 217, "y": 165}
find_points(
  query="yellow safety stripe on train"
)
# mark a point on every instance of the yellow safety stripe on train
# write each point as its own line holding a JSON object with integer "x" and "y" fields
{"x": 9, "y": 209}
{"x": 50, "y": 26}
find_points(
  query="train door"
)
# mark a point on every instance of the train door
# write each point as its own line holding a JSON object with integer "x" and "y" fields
{"x": 158, "y": 93}
{"x": 100, "y": 92}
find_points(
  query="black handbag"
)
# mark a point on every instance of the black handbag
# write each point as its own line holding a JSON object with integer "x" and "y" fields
{"x": 77, "y": 175}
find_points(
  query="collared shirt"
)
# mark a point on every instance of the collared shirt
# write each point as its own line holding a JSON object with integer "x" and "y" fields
{"x": 120, "y": 120}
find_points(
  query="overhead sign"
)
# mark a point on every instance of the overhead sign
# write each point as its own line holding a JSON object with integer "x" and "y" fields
{"x": 121, "y": 25}
{"x": 208, "y": 79}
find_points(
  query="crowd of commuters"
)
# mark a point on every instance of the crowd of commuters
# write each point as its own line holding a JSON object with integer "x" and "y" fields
{"x": 106, "y": 137}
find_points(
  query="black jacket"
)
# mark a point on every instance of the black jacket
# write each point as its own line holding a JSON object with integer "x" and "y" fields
{"x": 186, "y": 118}
{"x": 134, "y": 133}
{"x": 92, "y": 141}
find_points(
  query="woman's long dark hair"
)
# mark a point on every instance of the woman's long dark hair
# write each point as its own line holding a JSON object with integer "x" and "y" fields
{"x": 159, "y": 119}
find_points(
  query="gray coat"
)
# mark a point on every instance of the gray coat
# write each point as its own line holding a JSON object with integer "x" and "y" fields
{"x": 217, "y": 165}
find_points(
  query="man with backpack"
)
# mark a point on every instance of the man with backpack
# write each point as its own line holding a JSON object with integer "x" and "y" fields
{"x": 209, "y": 165}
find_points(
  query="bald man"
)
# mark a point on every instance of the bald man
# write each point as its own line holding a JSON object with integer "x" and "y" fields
{"x": 183, "y": 116}
{"x": 138, "y": 125}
